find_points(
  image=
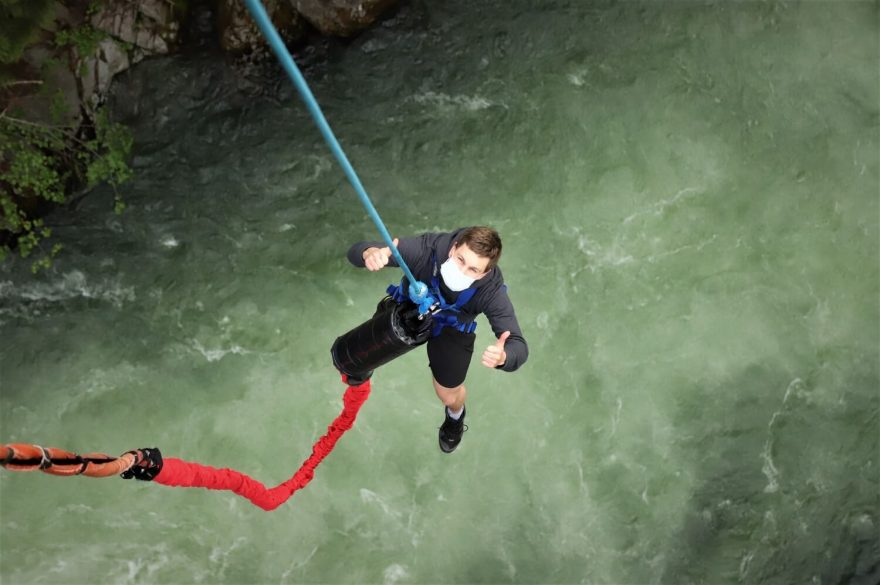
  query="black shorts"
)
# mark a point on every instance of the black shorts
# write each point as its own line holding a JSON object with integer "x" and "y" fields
{"x": 449, "y": 355}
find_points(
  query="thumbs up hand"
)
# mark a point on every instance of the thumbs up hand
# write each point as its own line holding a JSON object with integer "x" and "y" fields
{"x": 495, "y": 355}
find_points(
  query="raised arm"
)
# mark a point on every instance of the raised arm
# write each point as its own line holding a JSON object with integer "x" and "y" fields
{"x": 502, "y": 318}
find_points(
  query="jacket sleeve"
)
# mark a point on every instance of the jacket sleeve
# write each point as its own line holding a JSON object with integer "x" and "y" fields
{"x": 502, "y": 318}
{"x": 415, "y": 251}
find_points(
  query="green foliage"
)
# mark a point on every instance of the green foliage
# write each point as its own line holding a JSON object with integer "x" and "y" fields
{"x": 84, "y": 39}
{"x": 58, "y": 106}
{"x": 125, "y": 46}
{"x": 112, "y": 143}
{"x": 20, "y": 23}
{"x": 94, "y": 7}
{"x": 106, "y": 154}
{"x": 41, "y": 162}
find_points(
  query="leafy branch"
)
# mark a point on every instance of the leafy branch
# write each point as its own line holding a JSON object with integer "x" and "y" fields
{"x": 41, "y": 162}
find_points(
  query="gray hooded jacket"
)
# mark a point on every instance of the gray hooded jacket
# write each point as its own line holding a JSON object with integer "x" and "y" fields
{"x": 490, "y": 297}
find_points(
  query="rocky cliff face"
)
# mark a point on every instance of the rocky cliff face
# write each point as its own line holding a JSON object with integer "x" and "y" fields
{"x": 342, "y": 18}
{"x": 238, "y": 32}
{"x": 116, "y": 34}
{"x": 134, "y": 29}
{"x": 78, "y": 52}
{"x": 61, "y": 77}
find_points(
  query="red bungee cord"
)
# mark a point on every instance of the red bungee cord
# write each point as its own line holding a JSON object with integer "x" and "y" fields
{"x": 178, "y": 473}
{"x": 148, "y": 464}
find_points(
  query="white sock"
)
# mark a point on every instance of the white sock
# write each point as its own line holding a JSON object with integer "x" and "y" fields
{"x": 455, "y": 415}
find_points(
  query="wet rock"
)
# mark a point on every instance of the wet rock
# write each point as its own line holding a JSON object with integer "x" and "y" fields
{"x": 111, "y": 58}
{"x": 239, "y": 32}
{"x": 135, "y": 29}
{"x": 342, "y": 18}
{"x": 152, "y": 26}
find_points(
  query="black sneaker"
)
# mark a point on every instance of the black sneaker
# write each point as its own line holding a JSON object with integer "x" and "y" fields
{"x": 451, "y": 431}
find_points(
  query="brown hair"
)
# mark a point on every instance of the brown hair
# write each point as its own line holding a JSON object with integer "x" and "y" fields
{"x": 484, "y": 241}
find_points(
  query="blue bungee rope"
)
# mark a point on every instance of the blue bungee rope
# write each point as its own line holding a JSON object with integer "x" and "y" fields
{"x": 418, "y": 291}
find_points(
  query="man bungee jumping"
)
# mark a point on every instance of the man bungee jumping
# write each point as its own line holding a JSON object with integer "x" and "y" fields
{"x": 461, "y": 270}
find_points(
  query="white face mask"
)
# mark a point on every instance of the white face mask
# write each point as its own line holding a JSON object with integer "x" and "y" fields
{"x": 453, "y": 277}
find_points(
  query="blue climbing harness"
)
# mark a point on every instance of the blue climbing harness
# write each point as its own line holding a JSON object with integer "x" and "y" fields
{"x": 446, "y": 317}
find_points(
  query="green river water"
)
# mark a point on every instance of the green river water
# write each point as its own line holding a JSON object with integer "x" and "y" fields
{"x": 688, "y": 198}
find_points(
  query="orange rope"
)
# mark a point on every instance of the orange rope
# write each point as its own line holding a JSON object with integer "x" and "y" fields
{"x": 25, "y": 457}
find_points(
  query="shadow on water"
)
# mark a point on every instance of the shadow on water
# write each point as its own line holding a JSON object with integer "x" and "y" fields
{"x": 787, "y": 475}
